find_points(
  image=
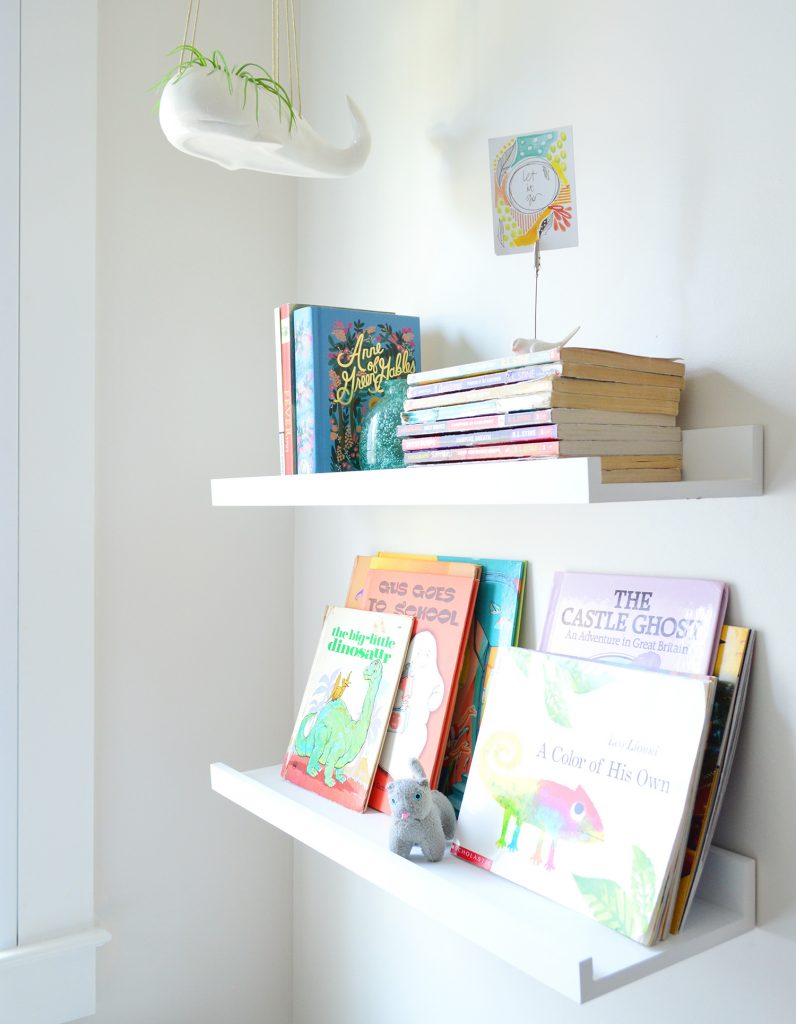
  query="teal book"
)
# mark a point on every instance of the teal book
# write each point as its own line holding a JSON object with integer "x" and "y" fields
{"x": 343, "y": 357}
{"x": 496, "y": 623}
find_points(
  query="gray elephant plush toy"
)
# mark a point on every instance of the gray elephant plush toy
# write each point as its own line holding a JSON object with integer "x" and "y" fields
{"x": 421, "y": 816}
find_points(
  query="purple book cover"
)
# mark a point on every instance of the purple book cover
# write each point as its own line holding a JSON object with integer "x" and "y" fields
{"x": 485, "y": 380}
{"x": 652, "y": 622}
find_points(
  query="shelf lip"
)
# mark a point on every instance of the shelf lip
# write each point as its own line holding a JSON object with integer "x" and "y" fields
{"x": 718, "y": 462}
{"x": 554, "y": 945}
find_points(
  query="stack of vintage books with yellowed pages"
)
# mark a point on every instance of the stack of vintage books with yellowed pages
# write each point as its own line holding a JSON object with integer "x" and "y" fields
{"x": 558, "y": 403}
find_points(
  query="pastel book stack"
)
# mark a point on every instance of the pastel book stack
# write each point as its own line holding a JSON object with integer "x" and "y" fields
{"x": 341, "y": 359}
{"x": 583, "y": 782}
{"x": 342, "y": 720}
{"x": 439, "y": 598}
{"x": 558, "y": 403}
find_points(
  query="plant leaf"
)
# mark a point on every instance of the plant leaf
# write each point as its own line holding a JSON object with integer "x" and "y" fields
{"x": 608, "y": 903}
{"x": 642, "y": 884}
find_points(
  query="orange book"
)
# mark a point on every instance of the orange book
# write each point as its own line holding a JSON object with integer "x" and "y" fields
{"x": 441, "y": 602}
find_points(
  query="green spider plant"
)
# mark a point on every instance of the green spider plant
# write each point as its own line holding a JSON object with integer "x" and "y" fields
{"x": 251, "y": 74}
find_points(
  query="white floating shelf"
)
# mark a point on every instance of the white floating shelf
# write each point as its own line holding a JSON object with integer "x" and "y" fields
{"x": 718, "y": 462}
{"x": 552, "y": 944}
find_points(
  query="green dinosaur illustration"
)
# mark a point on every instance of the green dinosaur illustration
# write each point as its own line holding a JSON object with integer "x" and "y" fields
{"x": 334, "y": 738}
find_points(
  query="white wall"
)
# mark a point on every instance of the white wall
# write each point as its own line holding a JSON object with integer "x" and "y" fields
{"x": 193, "y": 627}
{"x": 684, "y": 158}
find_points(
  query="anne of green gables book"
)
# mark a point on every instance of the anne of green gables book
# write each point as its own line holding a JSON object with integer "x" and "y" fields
{"x": 342, "y": 359}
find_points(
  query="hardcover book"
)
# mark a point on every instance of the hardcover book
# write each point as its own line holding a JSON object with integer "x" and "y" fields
{"x": 441, "y": 605}
{"x": 342, "y": 359}
{"x": 341, "y": 724}
{"x": 582, "y": 782}
{"x": 655, "y": 622}
{"x": 286, "y": 385}
{"x": 732, "y": 670}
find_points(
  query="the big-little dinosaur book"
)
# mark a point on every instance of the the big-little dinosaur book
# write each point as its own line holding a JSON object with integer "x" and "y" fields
{"x": 341, "y": 724}
{"x": 654, "y": 622}
{"x": 582, "y": 783}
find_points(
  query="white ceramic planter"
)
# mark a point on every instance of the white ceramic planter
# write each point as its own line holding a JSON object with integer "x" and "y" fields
{"x": 200, "y": 116}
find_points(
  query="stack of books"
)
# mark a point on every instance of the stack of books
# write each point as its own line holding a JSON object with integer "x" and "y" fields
{"x": 557, "y": 403}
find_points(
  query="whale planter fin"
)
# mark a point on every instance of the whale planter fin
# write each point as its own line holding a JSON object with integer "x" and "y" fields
{"x": 200, "y": 116}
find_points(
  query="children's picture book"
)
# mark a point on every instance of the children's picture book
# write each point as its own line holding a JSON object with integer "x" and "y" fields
{"x": 342, "y": 720}
{"x": 342, "y": 359}
{"x": 582, "y": 783}
{"x": 441, "y": 604}
{"x": 496, "y": 623}
{"x": 286, "y": 385}
{"x": 533, "y": 191}
{"x": 654, "y": 622}
{"x": 732, "y": 671}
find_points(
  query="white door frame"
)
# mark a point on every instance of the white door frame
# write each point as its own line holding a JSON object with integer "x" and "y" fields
{"x": 9, "y": 461}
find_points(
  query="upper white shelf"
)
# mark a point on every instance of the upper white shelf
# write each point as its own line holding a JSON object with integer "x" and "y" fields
{"x": 556, "y": 946}
{"x": 718, "y": 462}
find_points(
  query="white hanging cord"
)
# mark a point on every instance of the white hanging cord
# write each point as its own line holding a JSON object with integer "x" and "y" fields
{"x": 537, "y": 262}
{"x": 188, "y": 25}
{"x": 292, "y": 6}
{"x": 289, "y": 49}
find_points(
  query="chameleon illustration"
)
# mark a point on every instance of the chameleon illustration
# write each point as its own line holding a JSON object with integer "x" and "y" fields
{"x": 330, "y": 737}
{"x": 557, "y": 811}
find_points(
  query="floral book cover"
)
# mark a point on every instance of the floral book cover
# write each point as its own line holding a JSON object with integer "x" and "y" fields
{"x": 654, "y": 622}
{"x": 441, "y": 604}
{"x": 582, "y": 782}
{"x": 350, "y": 693}
{"x": 342, "y": 359}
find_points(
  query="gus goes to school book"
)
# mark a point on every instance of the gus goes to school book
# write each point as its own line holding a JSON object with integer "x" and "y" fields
{"x": 582, "y": 782}
{"x": 339, "y": 732}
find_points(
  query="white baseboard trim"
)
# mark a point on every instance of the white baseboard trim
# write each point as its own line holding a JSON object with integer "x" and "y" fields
{"x": 50, "y": 982}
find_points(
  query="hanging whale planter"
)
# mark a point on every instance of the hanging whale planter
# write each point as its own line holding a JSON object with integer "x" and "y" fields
{"x": 242, "y": 118}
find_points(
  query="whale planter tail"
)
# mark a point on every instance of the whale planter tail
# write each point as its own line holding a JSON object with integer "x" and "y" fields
{"x": 241, "y": 127}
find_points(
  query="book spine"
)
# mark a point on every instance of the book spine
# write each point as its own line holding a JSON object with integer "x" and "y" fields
{"x": 288, "y": 386}
{"x": 552, "y": 355}
{"x": 492, "y": 437}
{"x": 304, "y": 367}
{"x": 280, "y": 409}
{"x": 534, "y": 450}
{"x": 483, "y": 380}
{"x": 519, "y": 403}
{"x": 471, "y": 423}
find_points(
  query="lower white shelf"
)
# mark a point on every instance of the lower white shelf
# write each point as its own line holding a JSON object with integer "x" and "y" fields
{"x": 556, "y": 946}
